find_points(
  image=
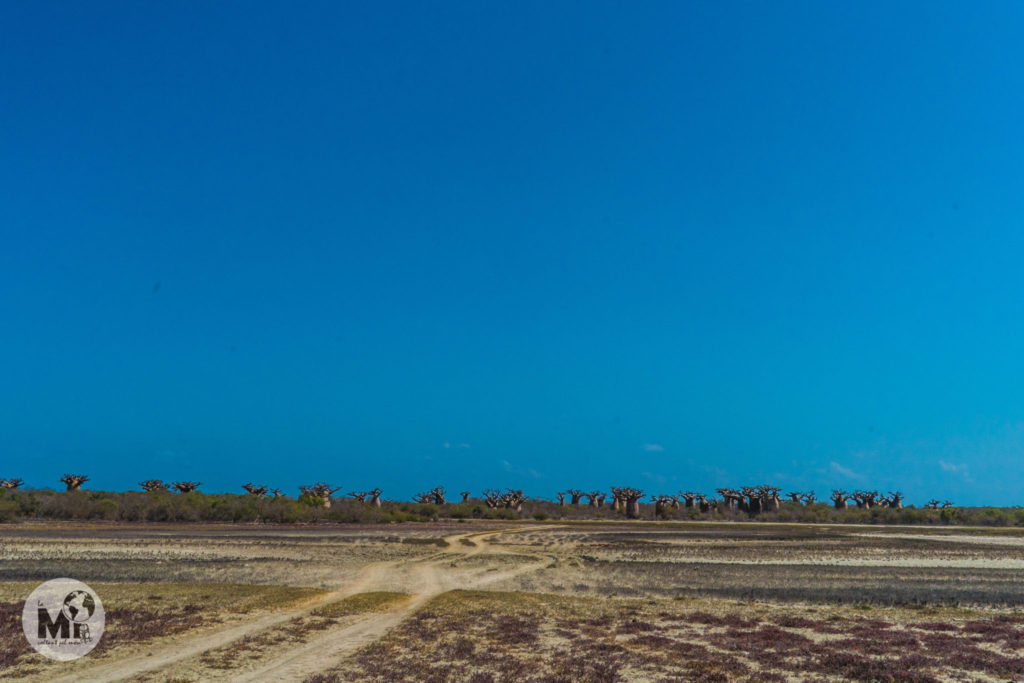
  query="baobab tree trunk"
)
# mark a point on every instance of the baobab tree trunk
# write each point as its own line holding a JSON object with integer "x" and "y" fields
{"x": 630, "y": 499}
{"x": 513, "y": 499}
{"x": 375, "y": 499}
{"x": 769, "y": 498}
{"x": 664, "y": 506}
{"x": 320, "y": 493}
{"x": 465, "y": 496}
{"x": 561, "y": 498}
{"x": 74, "y": 481}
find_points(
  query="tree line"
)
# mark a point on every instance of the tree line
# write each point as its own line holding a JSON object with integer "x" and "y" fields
{"x": 321, "y": 500}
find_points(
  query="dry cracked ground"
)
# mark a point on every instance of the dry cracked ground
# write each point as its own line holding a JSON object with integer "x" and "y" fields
{"x": 528, "y": 602}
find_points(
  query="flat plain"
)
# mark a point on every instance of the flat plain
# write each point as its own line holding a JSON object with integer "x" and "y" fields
{"x": 487, "y": 601}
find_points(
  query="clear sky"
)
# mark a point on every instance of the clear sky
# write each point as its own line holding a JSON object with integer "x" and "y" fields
{"x": 542, "y": 245}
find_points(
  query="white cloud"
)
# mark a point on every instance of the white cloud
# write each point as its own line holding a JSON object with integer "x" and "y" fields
{"x": 655, "y": 447}
{"x": 953, "y": 468}
{"x": 836, "y": 468}
{"x": 657, "y": 478}
{"x": 530, "y": 472}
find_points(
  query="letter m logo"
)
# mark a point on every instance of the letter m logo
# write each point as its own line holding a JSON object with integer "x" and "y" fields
{"x": 46, "y": 624}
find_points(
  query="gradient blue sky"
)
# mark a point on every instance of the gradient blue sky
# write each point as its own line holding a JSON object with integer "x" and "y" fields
{"x": 531, "y": 244}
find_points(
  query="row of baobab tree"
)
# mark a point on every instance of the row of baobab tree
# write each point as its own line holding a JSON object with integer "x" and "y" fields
{"x": 749, "y": 499}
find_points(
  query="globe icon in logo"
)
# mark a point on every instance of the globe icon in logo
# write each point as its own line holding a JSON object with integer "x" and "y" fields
{"x": 78, "y": 606}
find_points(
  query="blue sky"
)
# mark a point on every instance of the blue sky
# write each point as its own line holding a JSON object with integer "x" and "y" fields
{"x": 539, "y": 245}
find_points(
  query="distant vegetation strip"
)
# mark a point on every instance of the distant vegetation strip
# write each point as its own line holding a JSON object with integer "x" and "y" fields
{"x": 160, "y": 505}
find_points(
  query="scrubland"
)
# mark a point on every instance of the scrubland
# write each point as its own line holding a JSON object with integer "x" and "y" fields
{"x": 541, "y": 601}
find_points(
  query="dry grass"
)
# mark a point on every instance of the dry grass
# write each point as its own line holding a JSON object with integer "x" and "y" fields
{"x": 361, "y": 603}
{"x": 139, "y": 613}
{"x": 580, "y": 602}
{"x": 488, "y": 636}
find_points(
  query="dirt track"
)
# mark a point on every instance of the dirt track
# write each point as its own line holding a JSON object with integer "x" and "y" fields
{"x": 422, "y": 579}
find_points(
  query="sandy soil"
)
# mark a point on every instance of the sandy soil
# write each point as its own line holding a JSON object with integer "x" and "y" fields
{"x": 753, "y": 564}
{"x": 423, "y": 577}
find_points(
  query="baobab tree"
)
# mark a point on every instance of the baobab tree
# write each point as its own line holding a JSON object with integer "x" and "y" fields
{"x": 752, "y": 499}
{"x": 358, "y": 495}
{"x": 153, "y": 485}
{"x": 465, "y": 496}
{"x": 769, "y": 498}
{"x": 574, "y": 496}
{"x": 733, "y": 498}
{"x": 630, "y": 497}
{"x": 276, "y": 493}
{"x": 375, "y": 497}
{"x": 809, "y": 498}
{"x": 664, "y": 506}
{"x": 895, "y": 500}
{"x": 492, "y": 497}
{"x": 11, "y": 483}
{"x": 434, "y": 495}
{"x": 513, "y": 499}
{"x": 932, "y": 504}
{"x": 186, "y": 486}
{"x": 795, "y": 496}
{"x": 839, "y": 499}
{"x": 319, "y": 493}
{"x": 561, "y": 497}
{"x": 865, "y": 499}
{"x": 594, "y": 498}
{"x": 688, "y": 498}
{"x": 258, "y": 491}
{"x": 74, "y": 481}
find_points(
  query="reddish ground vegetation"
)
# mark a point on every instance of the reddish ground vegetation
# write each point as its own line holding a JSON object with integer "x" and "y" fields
{"x": 496, "y": 637}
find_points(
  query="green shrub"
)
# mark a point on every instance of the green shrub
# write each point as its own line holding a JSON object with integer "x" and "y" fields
{"x": 9, "y": 510}
{"x": 428, "y": 510}
{"x": 106, "y": 509}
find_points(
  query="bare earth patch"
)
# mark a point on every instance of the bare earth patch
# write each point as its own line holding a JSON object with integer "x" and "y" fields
{"x": 487, "y": 601}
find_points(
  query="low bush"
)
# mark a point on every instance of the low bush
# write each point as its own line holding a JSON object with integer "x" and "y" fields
{"x": 164, "y": 506}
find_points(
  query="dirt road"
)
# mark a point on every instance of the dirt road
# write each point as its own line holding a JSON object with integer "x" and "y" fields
{"x": 424, "y": 578}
